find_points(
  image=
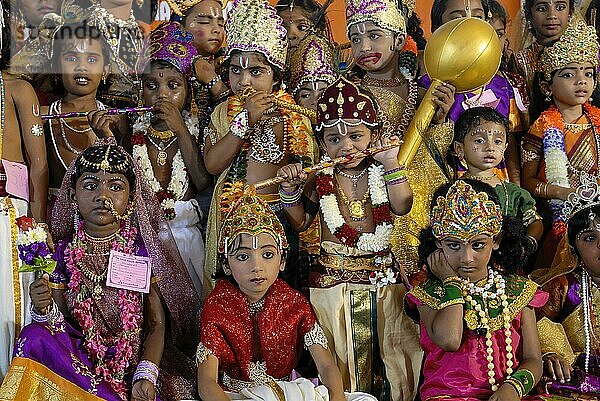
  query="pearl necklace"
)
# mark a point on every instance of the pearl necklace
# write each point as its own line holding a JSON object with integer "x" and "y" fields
{"x": 469, "y": 291}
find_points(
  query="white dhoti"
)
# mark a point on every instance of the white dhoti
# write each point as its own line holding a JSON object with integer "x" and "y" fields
{"x": 361, "y": 321}
{"x": 14, "y": 286}
{"x": 297, "y": 390}
{"x": 185, "y": 228}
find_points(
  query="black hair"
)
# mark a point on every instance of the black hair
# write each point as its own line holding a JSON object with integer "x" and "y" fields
{"x": 77, "y": 30}
{"x": 438, "y": 9}
{"x": 529, "y": 16}
{"x": 278, "y": 74}
{"x": 6, "y": 45}
{"x": 119, "y": 163}
{"x": 414, "y": 30}
{"x": 474, "y": 117}
{"x": 497, "y": 11}
{"x": 312, "y": 10}
{"x": 514, "y": 250}
{"x": 579, "y": 222}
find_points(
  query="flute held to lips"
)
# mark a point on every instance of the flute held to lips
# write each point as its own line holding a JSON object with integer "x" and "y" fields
{"x": 110, "y": 112}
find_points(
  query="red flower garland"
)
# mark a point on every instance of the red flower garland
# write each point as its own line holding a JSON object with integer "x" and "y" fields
{"x": 346, "y": 234}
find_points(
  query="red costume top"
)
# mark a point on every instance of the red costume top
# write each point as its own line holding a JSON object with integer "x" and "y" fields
{"x": 228, "y": 329}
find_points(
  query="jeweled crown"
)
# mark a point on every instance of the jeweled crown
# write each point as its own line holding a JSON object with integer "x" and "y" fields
{"x": 586, "y": 195}
{"x": 343, "y": 100}
{"x": 180, "y": 7}
{"x": 312, "y": 61}
{"x": 250, "y": 215}
{"x": 464, "y": 213}
{"x": 383, "y": 13}
{"x": 254, "y": 26}
{"x": 169, "y": 43}
{"x": 578, "y": 44}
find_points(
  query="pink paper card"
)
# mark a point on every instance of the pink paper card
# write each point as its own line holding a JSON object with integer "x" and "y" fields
{"x": 17, "y": 179}
{"x": 129, "y": 272}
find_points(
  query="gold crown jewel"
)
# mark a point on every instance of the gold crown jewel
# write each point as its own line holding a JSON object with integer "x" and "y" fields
{"x": 112, "y": 160}
{"x": 464, "y": 214}
{"x": 578, "y": 44}
{"x": 254, "y": 26}
{"x": 250, "y": 215}
{"x": 586, "y": 195}
{"x": 383, "y": 13}
{"x": 312, "y": 61}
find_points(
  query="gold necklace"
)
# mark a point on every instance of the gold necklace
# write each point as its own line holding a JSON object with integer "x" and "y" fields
{"x": 163, "y": 135}
{"x": 382, "y": 83}
{"x": 355, "y": 207}
{"x": 477, "y": 178}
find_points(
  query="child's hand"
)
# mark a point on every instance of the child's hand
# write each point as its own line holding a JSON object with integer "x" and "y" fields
{"x": 204, "y": 70}
{"x": 143, "y": 390}
{"x": 557, "y": 368}
{"x": 506, "y": 392}
{"x": 294, "y": 176}
{"x": 167, "y": 112}
{"x": 257, "y": 104}
{"x": 102, "y": 123}
{"x": 443, "y": 98}
{"x": 389, "y": 158}
{"x": 439, "y": 266}
{"x": 39, "y": 292}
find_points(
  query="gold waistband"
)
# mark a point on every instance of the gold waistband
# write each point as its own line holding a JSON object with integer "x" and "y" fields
{"x": 351, "y": 263}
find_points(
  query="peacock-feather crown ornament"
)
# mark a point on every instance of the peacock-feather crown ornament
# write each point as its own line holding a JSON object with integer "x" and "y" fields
{"x": 586, "y": 195}
{"x": 383, "y": 13}
{"x": 464, "y": 214}
{"x": 254, "y": 26}
{"x": 578, "y": 44}
{"x": 312, "y": 61}
{"x": 250, "y": 215}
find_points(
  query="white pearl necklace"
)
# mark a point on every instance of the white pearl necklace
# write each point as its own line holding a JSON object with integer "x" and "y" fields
{"x": 469, "y": 290}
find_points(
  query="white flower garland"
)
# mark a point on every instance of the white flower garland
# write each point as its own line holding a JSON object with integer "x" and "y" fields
{"x": 368, "y": 242}
{"x": 179, "y": 177}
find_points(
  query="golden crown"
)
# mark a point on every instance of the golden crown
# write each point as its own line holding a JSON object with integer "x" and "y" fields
{"x": 254, "y": 26}
{"x": 578, "y": 44}
{"x": 312, "y": 61}
{"x": 180, "y": 7}
{"x": 585, "y": 196}
{"x": 250, "y": 215}
{"x": 464, "y": 214}
{"x": 383, "y": 13}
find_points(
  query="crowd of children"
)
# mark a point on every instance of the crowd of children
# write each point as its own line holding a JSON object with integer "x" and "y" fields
{"x": 227, "y": 217}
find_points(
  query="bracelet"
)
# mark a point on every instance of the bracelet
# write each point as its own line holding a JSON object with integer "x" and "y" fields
{"x": 53, "y": 314}
{"x": 239, "y": 126}
{"x": 290, "y": 199}
{"x": 524, "y": 378}
{"x": 394, "y": 175}
{"x": 533, "y": 242}
{"x": 210, "y": 84}
{"x": 146, "y": 370}
{"x": 452, "y": 292}
{"x": 399, "y": 168}
{"x": 516, "y": 385}
{"x": 396, "y": 181}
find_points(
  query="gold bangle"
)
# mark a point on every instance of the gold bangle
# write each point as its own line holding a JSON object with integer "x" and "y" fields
{"x": 57, "y": 286}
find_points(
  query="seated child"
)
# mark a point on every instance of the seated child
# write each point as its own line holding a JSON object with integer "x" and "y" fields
{"x": 356, "y": 277}
{"x": 93, "y": 339}
{"x": 477, "y": 320}
{"x": 249, "y": 138}
{"x": 480, "y": 140}
{"x": 254, "y": 325}
{"x": 165, "y": 141}
{"x": 568, "y": 323}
